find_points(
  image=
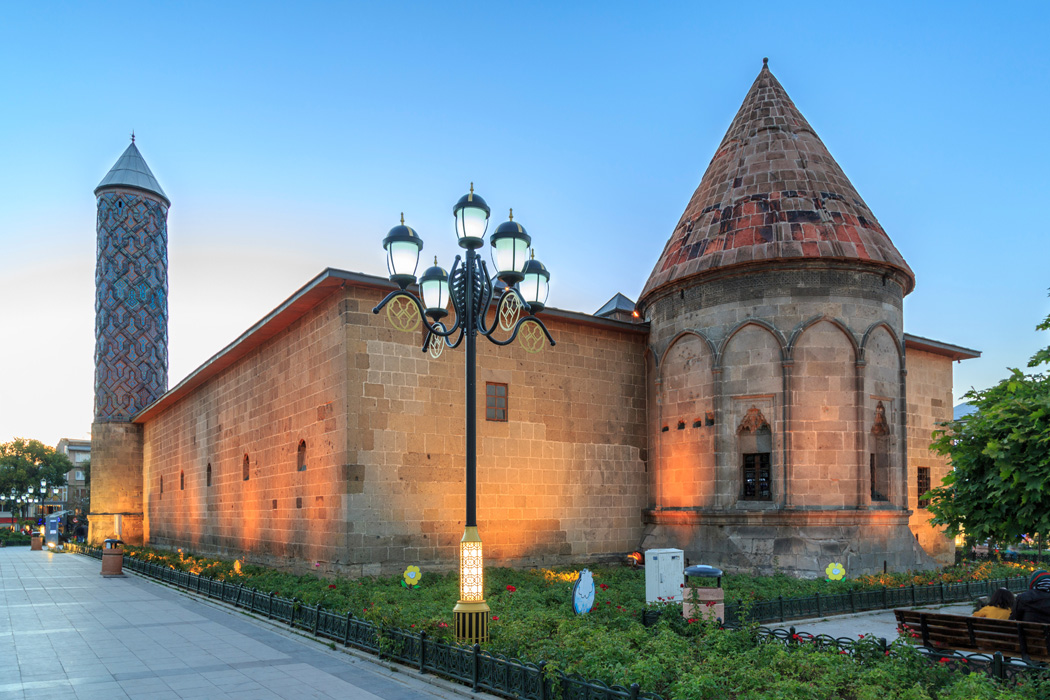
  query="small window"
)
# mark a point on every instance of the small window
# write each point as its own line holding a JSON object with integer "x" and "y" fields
{"x": 681, "y": 425}
{"x": 873, "y": 476}
{"x": 207, "y": 473}
{"x": 495, "y": 402}
{"x": 298, "y": 502}
{"x": 300, "y": 457}
{"x": 79, "y": 476}
{"x": 162, "y": 486}
{"x": 923, "y": 485}
{"x": 244, "y": 470}
{"x": 709, "y": 418}
{"x": 274, "y": 506}
{"x": 756, "y": 477}
{"x": 182, "y": 480}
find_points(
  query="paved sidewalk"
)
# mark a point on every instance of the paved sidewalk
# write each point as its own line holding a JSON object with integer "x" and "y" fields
{"x": 880, "y": 623}
{"x": 66, "y": 632}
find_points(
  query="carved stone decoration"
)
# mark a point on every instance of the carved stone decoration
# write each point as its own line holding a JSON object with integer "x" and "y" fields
{"x": 753, "y": 422}
{"x": 881, "y": 427}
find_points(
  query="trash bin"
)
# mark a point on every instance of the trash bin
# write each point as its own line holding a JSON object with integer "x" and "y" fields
{"x": 36, "y": 541}
{"x": 113, "y": 558}
{"x": 704, "y": 602}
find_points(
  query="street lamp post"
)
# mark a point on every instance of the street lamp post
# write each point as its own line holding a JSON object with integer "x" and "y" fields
{"x": 471, "y": 291}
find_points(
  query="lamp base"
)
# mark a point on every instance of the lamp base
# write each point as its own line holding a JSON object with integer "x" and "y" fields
{"x": 471, "y": 621}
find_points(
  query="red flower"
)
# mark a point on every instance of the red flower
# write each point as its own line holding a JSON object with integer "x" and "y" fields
{"x": 331, "y": 585}
{"x": 603, "y": 586}
{"x": 944, "y": 659}
{"x": 411, "y": 625}
{"x": 495, "y": 617}
{"x": 844, "y": 652}
{"x": 511, "y": 589}
{"x": 691, "y": 620}
{"x": 887, "y": 652}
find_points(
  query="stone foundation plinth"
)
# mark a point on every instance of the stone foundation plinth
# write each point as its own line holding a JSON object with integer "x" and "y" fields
{"x": 797, "y": 542}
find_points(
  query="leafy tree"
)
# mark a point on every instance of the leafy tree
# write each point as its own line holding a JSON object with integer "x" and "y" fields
{"x": 23, "y": 463}
{"x": 999, "y": 488}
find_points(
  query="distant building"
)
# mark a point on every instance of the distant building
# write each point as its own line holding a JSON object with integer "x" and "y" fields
{"x": 760, "y": 406}
{"x": 76, "y": 489}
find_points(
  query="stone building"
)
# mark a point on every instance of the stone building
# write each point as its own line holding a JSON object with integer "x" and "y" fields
{"x": 761, "y": 406}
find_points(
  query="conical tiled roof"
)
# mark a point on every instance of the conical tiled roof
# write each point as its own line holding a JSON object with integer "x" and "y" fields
{"x": 772, "y": 191}
{"x": 131, "y": 170}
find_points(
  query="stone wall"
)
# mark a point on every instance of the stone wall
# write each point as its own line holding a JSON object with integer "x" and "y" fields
{"x": 289, "y": 390}
{"x": 929, "y": 403}
{"x": 116, "y": 483}
{"x": 563, "y": 479}
{"x": 811, "y": 356}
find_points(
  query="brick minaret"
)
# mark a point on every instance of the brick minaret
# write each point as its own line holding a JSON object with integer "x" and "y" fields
{"x": 131, "y": 338}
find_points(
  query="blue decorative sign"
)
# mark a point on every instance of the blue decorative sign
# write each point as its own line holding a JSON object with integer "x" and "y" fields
{"x": 583, "y": 593}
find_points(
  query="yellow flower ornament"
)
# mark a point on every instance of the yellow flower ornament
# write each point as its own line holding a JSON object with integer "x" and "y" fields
{"x": 835, "y": 572}
{"x": 412, "y": 577}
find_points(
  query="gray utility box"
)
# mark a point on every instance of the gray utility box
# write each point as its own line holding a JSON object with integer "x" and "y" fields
{"x": 664, "y": 575}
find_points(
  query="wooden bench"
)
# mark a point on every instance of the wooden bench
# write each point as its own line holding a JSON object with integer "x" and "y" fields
{"x": 1027, "y": 640}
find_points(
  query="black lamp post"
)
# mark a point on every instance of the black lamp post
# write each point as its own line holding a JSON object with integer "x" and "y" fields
{"x": 471, "y": 291}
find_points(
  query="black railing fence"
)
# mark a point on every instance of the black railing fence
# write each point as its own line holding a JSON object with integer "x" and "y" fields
{"x": 782, "y": 609}
{"x": 523, "y": 680}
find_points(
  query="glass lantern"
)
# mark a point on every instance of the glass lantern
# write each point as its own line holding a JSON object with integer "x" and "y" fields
{"x": 472, "y": 219}
{"x": 510, "y": 250}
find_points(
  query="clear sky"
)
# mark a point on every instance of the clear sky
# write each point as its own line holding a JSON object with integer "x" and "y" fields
{"x": 290, "y": 136}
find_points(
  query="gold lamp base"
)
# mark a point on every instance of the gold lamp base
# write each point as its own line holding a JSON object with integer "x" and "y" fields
{"x": 471, "y": 621}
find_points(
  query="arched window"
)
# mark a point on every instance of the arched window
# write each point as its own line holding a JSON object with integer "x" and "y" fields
{"x": 208, "y": 473}
{"x": 300, "y": 457}
{"x": 182, "y": 480}
{"x": 244, "y": 470}
{"x": 755, "y": 442}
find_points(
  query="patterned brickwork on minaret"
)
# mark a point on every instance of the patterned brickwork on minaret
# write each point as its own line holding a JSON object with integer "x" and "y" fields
{"x": 131, "y": 291}
{"x": 131, "y": 340}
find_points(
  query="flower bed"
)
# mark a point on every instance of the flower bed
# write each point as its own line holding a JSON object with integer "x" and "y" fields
{"x": 532, "y": 619}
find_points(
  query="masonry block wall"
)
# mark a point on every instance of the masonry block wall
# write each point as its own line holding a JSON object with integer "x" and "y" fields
{"x": 222, "y": 466}
{"x": 116, "y": 483}
{"x": 929, "y": 404}
{"x": 562, "y": 479}
{"x": 810, "y": 354}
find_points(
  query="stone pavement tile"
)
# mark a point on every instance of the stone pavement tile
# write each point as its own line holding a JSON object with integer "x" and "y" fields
{"x": 66, "y": 632}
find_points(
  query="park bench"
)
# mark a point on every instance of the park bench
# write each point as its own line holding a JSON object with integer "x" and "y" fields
{"x": 1027, "y": 640}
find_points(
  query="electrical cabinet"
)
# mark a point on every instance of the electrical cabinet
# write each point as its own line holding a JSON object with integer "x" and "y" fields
{"x": 664, "y": 575}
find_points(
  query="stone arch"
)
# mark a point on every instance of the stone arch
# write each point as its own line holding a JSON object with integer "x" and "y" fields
{"x": 810, "y": 322}
{"x": 881, "y": 409}
{"x": 684, "y": 394}
{"x": 752, "y": 382}
{"x": 773, "y": 330}
{"x": 864, "y": 342}
{"x": 660, "y": 357}
{"x": 824, "y": 418}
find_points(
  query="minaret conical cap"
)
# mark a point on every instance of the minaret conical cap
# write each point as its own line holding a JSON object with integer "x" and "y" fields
{"x": 772, "y": 192}
{"x": 131, "y": 170}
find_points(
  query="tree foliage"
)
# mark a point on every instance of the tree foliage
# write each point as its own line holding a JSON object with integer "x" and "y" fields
{"x": 1000, "y": 484}
{"x": 23, "y": 463}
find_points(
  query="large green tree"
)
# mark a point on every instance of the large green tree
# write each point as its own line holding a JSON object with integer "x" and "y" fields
{"x": 23, "y": 463}
{"x": 999, "y": 487}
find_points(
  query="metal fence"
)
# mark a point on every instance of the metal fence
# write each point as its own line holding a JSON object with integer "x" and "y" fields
{"x": 523, "y": 680}
{"x": 782, "y": 609}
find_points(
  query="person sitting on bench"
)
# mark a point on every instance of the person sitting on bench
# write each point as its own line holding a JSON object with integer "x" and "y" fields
{"x": 999, "y": 607}
{"x": 1034, "y": 604}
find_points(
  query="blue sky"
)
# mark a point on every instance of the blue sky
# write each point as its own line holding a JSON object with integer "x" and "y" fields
{"x": 289, "y": 137}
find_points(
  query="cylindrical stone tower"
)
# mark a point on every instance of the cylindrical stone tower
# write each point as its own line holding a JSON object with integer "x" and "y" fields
{"x": 777, "y": 383}
{"x": 131, "y": 338}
